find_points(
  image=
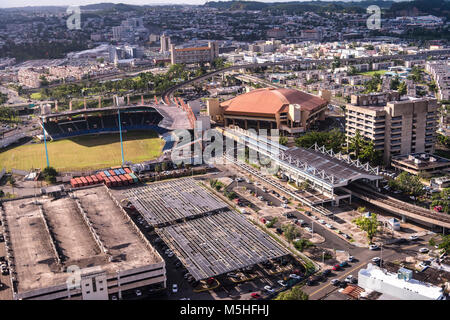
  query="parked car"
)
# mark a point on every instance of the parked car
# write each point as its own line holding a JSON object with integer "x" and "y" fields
{"x": 269, "y": 289}
{"x": 336, "y": 267}
{"x": 138, "y": 292}
{"x": 113, "y": 297}
{"x": 335, "y": 282}
{"x": 308, "y": 229}
{"x": 343, "y": 264}
{"x": 295, "y": 276}
{"x": 413, "y": 237}
{"x": 321, "y": 221}
{"x": 282, "y": 283}
{"x": 376, "y": 260}
{"x": 330, "y": 226}
{"x": 326, "y": 272}
{"x": 255, "y": 295}
{"x": 373, "y": 247}
{"x": 423, "y": 250}
{"x": 349, "y": 279}
{"x": 174, "y": 288}
{"x": 351, "y": 259}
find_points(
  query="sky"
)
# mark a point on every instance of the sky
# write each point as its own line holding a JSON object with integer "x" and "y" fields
{"x": 24, "y": 3}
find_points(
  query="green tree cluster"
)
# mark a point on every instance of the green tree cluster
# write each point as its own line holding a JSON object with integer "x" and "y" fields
{"x": 293, "y": 294}
{"x": 408, "y": 184}
{"x": 368, "y": 224}
{"x": 333, "y": 139}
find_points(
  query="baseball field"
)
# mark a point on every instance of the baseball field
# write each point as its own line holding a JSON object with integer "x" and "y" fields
{"x": 84, "y": 152}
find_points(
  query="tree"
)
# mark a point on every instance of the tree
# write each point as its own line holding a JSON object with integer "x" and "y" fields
{"x": 355, "y": 144}
{"x": 290, "y": 232}
{"x": 368, "y": 224}
{"x": 395, "y": 82}
{"x": 409, "y": 184}
{"x": 333, "y": 139}
{"x": 445, "y": 244}
{"x": 402, "y": 89}
{"x": 294, "y": 294}
{"x": 49, "y": 174}
{"x": 283, "y": 140}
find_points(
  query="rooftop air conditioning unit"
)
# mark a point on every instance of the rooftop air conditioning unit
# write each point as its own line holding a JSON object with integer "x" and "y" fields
{"x": 417, "y": 161}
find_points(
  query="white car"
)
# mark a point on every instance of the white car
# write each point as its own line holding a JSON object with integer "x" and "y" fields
{"x": 376, "y": 259}
{"x": 423, "y": 250}
{"x": 283, "y": 205}
{"x": 330, "y": 226}
{"x": 308, "y": 229}
{"x": 174, "y": 288}
{"x": 138, "y": 293}
{"x": 314, "y": 217}
{"x": 294, "y": 276}
{"x": 373, "y": 247}
{"x": 321, "y": 221}
{"x": 349, "y": 278}
{"x": 170, "y": 254}
{"x": 269, "y": 289}
{"x": 113, "y": 297}
{"x": 413, "y": 237}
{"x": 351, "y": 259}
{"x": 282, "y": 283}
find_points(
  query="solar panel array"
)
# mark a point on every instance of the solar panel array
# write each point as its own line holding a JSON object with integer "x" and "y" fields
{"x": 169, "y": 201}
{"x": 220, "y": 243}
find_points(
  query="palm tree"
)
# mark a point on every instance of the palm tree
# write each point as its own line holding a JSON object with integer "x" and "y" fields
{"x": 355, "y": 144}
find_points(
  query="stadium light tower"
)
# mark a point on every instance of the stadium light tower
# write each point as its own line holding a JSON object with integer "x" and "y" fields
{"x": 45, "y": 145}
{"x": 120, "y": 132}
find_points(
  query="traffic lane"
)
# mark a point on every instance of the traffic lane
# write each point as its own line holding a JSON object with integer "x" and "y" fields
{"x": 259, "y": 192}
{"x": 332, "y": 240}
{"x": 325, "y": 288}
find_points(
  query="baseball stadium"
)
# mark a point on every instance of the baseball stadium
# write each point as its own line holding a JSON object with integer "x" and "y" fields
{"x": 90, "y": 139}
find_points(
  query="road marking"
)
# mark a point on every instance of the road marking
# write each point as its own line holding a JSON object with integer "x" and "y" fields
{"x": 343, "y": 275}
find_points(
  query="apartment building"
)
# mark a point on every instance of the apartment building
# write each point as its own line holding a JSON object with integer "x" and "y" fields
{"x": 397, "y": 127}
{"x": 194, "y": 54}
{"x": 440, "y": 70}
{"x": 165, "y": 43}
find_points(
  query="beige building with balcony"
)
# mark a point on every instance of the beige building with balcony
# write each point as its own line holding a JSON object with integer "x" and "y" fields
{"x": 397, "y": 127}
{"x": 195, "y": 54}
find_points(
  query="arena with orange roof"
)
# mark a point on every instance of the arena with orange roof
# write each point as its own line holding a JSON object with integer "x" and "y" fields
{"x": 289, "y": 110}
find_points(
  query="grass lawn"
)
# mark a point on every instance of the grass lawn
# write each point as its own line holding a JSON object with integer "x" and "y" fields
{"x": 372, "y": 73}
{"x": 85, "y": 152}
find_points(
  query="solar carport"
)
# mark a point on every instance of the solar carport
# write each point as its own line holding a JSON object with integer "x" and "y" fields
{"x": 220, "y": 243}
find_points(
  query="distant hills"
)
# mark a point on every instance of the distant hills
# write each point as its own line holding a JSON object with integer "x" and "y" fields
{"x": 439, "y": 8}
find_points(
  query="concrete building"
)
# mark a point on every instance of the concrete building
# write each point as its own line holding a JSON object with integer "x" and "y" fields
{"x": 165, "y": 43}
{"x": 399, "y": 286}
{"x": 421, "y": 163}
{"x": 397, "y": 127}
{"x": 289, "y": 110}
{"x": 82, "y": 246}
{"x": 195, "y": 54}
{"x": 440, "y": 70}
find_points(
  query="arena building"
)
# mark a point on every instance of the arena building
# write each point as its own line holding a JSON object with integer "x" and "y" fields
{"x": 289, "y": 110}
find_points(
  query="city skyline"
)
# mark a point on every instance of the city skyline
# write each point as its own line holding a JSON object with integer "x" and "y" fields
{"x": 29, "y": 3}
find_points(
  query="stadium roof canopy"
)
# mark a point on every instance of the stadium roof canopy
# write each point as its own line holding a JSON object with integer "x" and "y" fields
{"x": 173, "y": 117}
{"x": 333, "y": 168}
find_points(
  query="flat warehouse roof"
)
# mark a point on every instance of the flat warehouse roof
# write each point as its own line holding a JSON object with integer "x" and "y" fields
{"x": 47, "y": 235}
{"x": 165, "y": 202}
{"x": 220, "y": 243}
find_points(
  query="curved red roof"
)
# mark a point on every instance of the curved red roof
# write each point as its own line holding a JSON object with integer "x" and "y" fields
{"x": 271, "y": 101}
